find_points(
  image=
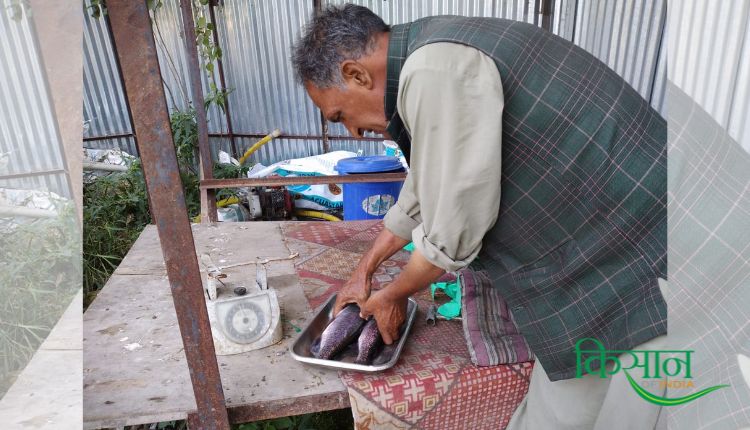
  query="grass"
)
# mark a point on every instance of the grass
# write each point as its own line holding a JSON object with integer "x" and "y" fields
{"x": 115, "y": 211}
{"x": 329, "y": 420}
{"x": 39, "y": 274}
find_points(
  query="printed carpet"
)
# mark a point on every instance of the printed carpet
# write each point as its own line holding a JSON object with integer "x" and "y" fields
{"x": 434, "y": 385}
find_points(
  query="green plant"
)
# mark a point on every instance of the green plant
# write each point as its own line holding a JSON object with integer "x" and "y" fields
{"x": 216, "y": 96}
{"x": 115, "y": 211}
{"x": 17, "y": 9}
{"x": 39, "y": 274}
{"x": 228, "y": 171}
{"x": 116, "y": 206}
{"x": 185, "y": 135}
{"x": 329, "y": 420}
{"x": 210, "y": 52}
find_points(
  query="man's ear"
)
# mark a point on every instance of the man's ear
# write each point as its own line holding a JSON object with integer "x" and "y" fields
{"x": 356, "y": 73}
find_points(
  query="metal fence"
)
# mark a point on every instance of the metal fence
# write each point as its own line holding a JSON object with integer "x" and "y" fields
{"x": 627, "y": 35}
{"x": 710, "y": 43}
{"x": 30, "y": 147}
{"x": 104, "y": 109}
{"x": 256, "y": 38}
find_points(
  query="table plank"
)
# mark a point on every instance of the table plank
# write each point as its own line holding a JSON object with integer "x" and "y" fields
{"x": 47, "y": 394}
{"x": 134, "y": 366}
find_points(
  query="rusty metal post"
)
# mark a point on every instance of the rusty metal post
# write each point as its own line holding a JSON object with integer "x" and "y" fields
{"x": 324, "y": 127}
{"x": 136, "y": 50}
{"x": 317, "y": 9}
{"x": 546, "y": 10}
{"x": 208, "y": 200}
{"x": 223, "y": 83}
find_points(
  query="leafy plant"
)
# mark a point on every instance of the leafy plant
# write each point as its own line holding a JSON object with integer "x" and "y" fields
{"x": 330, "y": 420}
{"x": 216, "y": 96}
{"x": 185, "y": 135}
{"x": 116, "y": 206}
{"x": 114, "y": 214}
{"x": 154, "y": 4}
{"x": 228, "y": 171}
{"x": 327, "y": 420}
{"x": 96, "y": 8}
{"x": 39, "y": 274}
{"x": 17, "y": 8}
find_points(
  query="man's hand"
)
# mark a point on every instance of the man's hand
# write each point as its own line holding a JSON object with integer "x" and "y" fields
{"x": 356, "y": 290}
{"x": 388, "y": 305}
{"x": 389, "y": 312}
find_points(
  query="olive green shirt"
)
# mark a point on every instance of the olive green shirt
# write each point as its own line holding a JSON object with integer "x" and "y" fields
{"x": 450, "y": 99}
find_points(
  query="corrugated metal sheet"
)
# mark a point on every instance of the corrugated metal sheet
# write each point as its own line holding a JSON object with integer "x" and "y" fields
{"x": 627, "y": 36}
{"x": 709, "y": 54}
{"x": 564, "y": 22}
{"x": 399, "y": 12}
{"x": 104, "y": 107}
{"x": 276, "y": 150}
{"x": 256, "y": 38}
{"x": 170, "y": 43}
{"x": 739, "y": 115}
{"x": 29, "y": 141}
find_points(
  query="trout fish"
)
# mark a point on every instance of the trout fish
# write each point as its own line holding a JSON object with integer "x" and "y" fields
{"x": 369, "y": 342}
{"x": 339, "y": 333}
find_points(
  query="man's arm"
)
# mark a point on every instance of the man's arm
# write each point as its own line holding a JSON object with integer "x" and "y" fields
{"x": 357, "y": 288}
{"x": 451, "y": 101}
{"x": 401, "y": 219}
{"x": 388, "y": 305}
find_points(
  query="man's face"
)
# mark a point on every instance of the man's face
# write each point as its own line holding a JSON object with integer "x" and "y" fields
{"x": 359, "y": 107}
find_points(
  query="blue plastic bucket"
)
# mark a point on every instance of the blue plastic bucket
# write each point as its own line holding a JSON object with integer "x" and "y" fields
{"x": 369, "y": 200}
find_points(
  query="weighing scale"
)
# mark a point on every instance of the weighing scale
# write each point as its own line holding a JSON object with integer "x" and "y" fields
{"x": 242, "y": 319}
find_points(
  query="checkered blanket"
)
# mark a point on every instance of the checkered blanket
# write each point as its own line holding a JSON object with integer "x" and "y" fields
{"x": 435, "y": 385}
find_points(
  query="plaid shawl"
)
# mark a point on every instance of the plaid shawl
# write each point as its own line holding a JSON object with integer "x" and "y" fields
{"x": 581, "y": 235}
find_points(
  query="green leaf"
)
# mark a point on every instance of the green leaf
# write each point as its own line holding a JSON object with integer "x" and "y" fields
{"x": 154, "y": 4}
{"x": 210, "y": 67}
{"x": 282, "y": 423}
{"x": 201, "y": 22}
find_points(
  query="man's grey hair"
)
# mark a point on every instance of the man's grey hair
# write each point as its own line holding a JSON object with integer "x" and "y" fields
{"x": 339, "y": 33}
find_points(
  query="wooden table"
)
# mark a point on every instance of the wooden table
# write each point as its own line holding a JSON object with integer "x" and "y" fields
{"x": 134, "y": 367}
{"x": 47, "y": 394}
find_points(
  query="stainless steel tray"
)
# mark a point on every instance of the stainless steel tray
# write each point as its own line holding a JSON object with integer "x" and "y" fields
{"x": 386, "y": 358}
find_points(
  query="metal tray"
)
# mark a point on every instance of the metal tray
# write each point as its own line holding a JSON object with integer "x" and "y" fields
{"x": 386, "y": 358}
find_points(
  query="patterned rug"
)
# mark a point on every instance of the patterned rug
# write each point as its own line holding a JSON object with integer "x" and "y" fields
{"x": 434, "y": 385}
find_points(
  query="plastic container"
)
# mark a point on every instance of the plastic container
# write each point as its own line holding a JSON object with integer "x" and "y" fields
{"x": 369, "y": 200}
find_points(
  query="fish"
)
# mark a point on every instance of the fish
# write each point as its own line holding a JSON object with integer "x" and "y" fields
{"x": 339, "y": 333}
{"x": 369, "y": 342}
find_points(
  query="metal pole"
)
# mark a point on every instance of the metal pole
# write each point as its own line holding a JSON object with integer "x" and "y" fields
{"x": 546, "y": 9}
{"x": 317, "y": 9}
{"x": 222, "y": 82}
{"x": 208, "y": 200}
{"x": 277, "y": 181}
{"x": 136, "y": 50}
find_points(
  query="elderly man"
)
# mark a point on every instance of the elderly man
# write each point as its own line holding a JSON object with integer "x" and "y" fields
{"x": 527, "y": 153}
